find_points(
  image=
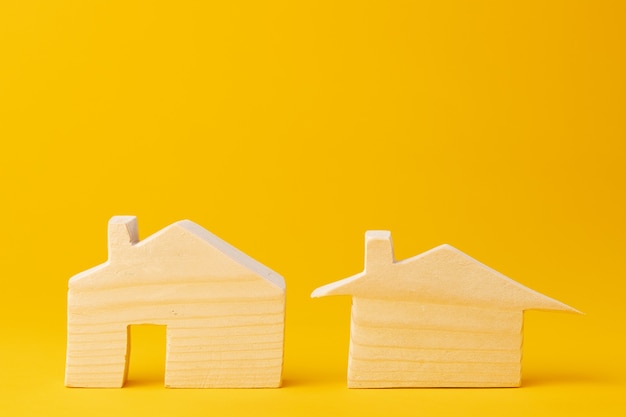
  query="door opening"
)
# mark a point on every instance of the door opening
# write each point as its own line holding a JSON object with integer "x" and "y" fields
{"x": 146, "y": 344}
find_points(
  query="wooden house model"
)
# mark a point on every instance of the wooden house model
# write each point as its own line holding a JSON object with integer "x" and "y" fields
{"x": 439, "y": 319}
{"x": 223, "y": 310}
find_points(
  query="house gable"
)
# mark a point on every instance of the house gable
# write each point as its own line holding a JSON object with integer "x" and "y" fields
{"x": 443, "y": 275}
{"x": 183, "y": 250}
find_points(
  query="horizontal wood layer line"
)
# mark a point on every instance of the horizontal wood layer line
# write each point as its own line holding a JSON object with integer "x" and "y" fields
{"x": 157, "y": 301}
{"x": 148, "y": 282}
{"x": 255, "y": 320}
{"x": 399, "y": 326}
{"x": 180, "y": 332}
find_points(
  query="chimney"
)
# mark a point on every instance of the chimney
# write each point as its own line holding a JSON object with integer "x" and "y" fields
{"x": 123, "y": 234}
{"x": 378, "y": 250}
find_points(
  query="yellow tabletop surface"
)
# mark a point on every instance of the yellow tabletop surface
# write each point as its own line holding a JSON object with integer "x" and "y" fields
{"x": 288, "y": 129}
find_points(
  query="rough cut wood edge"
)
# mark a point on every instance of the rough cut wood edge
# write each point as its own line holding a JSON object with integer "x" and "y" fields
{"x": 223, "y": 310}
{"x": 439, "y": 319}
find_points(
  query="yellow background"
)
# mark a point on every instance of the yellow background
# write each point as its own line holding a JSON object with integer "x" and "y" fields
{"x": 288, "y": 129}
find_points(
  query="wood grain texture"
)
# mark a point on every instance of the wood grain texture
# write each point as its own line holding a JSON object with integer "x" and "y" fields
{"x": 439, "y": 319}
{"x": 402, "y": 343}
{"x": 224, "y": 311}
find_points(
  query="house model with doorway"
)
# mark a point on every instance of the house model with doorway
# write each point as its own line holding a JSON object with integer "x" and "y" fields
{"x": 439, "y": 319}
{"x": 223, "y": 310}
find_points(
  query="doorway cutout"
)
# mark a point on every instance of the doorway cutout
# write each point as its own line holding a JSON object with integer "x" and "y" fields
{"x": 146, "y": 344}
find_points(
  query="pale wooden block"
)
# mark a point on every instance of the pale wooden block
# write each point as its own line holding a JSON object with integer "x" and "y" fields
{"x": 223, "y": 310}
{"x": 439, "y": 319}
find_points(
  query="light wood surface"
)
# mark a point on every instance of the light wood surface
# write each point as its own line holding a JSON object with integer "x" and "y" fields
{"x": 224, "y": 311}
{"x": 439, "y": 319}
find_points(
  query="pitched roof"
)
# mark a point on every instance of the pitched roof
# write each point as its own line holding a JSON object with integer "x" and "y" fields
{"x": 194, "y": 237}
{"x": 443, "y": 275}
{"x": 232, "y": 252}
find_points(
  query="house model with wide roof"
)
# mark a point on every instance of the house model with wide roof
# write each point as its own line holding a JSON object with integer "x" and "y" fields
{"x": 223, "y": 310}
{"x": 438, "y": 319}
